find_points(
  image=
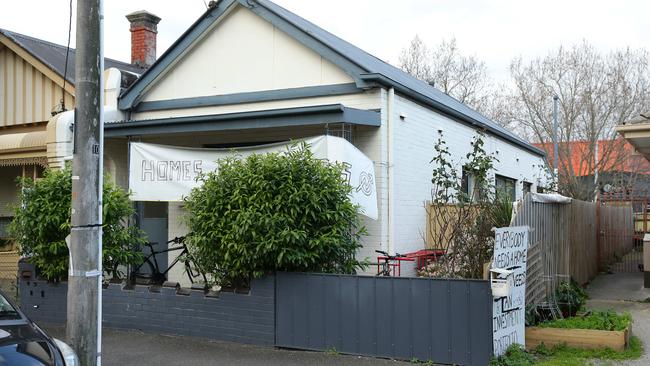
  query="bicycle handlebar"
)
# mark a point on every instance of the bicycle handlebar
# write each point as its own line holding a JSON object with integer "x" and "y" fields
{"x": 385, "y": 254}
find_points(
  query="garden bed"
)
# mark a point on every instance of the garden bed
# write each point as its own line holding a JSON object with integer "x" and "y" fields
{"x": 601, "y": 329}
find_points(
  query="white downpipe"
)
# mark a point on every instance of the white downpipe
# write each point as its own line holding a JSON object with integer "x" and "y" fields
{"x": 390, "y": 119}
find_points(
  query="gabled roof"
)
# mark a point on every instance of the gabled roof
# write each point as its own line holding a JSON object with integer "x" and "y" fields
{"x": 53, "y": 55}
{"x": 366, "y": 69}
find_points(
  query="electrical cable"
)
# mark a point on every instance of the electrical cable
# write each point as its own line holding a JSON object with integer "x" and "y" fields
{"x": 67, "y": 52}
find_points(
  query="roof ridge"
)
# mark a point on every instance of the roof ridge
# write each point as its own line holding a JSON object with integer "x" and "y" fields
{"x": 278, "y": 9}
{"x": 12, "y": 35}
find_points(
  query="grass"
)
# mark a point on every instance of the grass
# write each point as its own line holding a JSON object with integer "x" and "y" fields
{"x": 515, "y": 355}
{"x": 562, "y": 355}
{"x": 601, "y": 320}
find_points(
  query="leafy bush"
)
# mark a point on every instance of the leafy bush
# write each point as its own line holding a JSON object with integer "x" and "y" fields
{"x": 601, "y": 320}
{"x": 279, "y": 211}
{"x": 570, "y": 297}
{"x": 42, "y": 222}
{"x": 462, "y": 219}
{"x": 515, "y": 355}
{"x": 532, "y": 315}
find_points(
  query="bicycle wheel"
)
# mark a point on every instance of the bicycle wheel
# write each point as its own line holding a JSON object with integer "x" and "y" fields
{"x": 141, "y": 273}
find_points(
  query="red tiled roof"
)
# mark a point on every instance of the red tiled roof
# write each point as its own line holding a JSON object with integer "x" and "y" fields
{"x": 613, "y": 156}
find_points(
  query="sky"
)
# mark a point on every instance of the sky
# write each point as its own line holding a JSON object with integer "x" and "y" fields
{"x": 495, "y": 31}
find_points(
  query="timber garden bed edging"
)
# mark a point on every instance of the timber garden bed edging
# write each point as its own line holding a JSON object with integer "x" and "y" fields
{"x": 617, "y": 340}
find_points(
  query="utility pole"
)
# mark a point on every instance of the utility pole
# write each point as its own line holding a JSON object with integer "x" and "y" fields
{"x": 85, "y": 273}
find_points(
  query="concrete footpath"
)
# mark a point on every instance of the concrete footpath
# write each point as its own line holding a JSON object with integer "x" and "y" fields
{"x": 125, "y": 348}
{"x": 624, "y": 292}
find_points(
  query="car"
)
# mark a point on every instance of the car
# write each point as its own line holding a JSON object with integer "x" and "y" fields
{"x": 23, "y": 343}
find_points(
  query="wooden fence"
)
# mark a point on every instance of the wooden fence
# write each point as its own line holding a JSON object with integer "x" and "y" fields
{"x": 566, "y": 241}
{"x": 616, "y": 231}
{"x": 442, "y": 221}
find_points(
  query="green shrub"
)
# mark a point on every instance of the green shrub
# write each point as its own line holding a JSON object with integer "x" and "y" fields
{"x": 279, "y": 211}
{"x": 570, "y": 297}
{"x": 42, "y": 222}
{"x": 601, "y": 320}
{"x": 515, "y": 355}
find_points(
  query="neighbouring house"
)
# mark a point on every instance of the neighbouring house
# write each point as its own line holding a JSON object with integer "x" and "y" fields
{"x": 603, "y": 166}
{"x": 37, "y": 87}
{"x": 637, "y": 133}
{"x": 251, "y": 72}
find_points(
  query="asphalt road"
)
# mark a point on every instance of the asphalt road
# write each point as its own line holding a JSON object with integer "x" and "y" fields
{"x": 123, "y": 348}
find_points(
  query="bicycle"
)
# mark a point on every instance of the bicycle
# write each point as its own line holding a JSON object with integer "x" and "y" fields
{"x": 155, "y": 276}
{"x": 385, "y": 266}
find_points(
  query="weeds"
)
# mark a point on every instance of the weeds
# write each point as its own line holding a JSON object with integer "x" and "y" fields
{"x": 601, "y": 320}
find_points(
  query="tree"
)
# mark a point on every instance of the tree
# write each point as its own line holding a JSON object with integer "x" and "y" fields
{"x": 596, "y": 92}
{"x": 462, "y": 214}
{"x": 42, "y": 222}
{"x": 267, "y": 212}
{"x": 446, "y": 68}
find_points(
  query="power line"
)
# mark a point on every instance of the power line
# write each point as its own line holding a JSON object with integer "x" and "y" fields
{"x": 67, "y": 52}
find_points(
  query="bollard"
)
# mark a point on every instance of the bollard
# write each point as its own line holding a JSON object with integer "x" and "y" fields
{"x": 646, "y": 261}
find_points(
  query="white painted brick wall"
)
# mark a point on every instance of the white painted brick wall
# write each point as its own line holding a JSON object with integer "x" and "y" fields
{"x": 414, "y": 139}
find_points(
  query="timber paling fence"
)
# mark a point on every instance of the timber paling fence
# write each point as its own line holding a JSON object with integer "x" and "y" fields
{"x": 567, "y": 241}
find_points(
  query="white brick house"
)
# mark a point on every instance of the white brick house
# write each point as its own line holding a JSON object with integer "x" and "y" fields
{"x": 249, "y": 71}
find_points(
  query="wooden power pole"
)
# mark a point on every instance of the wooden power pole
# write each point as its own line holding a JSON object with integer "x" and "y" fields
{"x": 85, "y": 274}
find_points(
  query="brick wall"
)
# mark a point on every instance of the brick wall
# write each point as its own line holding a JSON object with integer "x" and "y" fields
{"x": 143, "y": 46}
{"x": 414, "y": 138}
{"x": 243, "y": 318}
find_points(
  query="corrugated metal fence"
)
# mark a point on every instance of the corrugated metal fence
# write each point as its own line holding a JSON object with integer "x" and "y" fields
{"x": 445, "y": 321}
{"x": 566, "y": 241}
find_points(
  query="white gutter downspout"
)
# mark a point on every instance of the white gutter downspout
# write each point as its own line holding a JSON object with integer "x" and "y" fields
{"x": 389, "y": 169}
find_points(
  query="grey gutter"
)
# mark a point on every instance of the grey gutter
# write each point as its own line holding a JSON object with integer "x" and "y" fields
{"x": 250, "y": 97}
{"x": 287, "y": 117}
{"x": 381, "y": 79}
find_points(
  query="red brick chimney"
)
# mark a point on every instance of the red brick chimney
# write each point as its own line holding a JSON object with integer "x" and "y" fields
{"x": 143, "y": 37}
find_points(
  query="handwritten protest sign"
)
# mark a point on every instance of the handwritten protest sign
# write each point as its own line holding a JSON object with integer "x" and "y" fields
{"x": 509, "y": 312}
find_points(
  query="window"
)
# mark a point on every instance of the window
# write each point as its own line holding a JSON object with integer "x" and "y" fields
{"x": 527, "y": 187}
{"x": 4, "y": 225}
{"x": 5, "y": 240}
{"x": 540, "y": 189}
{"x": 468, "y": 185}
{"x": 464, "y": 182}
{"x": 505, "y": 186}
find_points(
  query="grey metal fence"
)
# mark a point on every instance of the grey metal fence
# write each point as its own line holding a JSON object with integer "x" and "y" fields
{"x": 445, "y": 321}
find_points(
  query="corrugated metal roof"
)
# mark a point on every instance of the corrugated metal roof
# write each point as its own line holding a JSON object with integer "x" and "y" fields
{"x": 23, "y": 141}
{"x": 374, "y": 65}
{"x": 371, "y": 68}
{"x": 53, "y": 55}
{"x": 641, "y": 118}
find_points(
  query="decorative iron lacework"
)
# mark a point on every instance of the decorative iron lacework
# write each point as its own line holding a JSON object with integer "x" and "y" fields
{"x": 40, "y": 160}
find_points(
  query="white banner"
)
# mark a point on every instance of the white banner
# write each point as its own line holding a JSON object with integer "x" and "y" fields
{"x": 509, "y": 312}
{"x": 168, "y": 173}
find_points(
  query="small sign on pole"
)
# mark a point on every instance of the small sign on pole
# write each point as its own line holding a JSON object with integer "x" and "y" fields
{"x": 508, "y": 277}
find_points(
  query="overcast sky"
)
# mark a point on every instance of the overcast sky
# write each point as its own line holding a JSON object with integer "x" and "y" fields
{"x": 493, "y": 30}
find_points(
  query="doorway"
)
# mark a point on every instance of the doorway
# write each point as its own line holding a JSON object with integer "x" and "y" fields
{"x": 154, "y": 222}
